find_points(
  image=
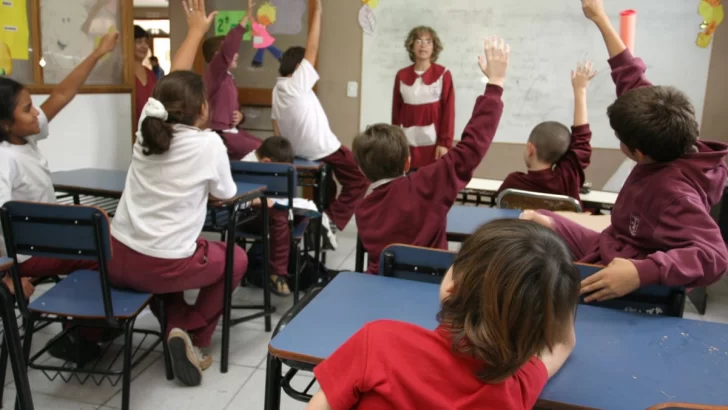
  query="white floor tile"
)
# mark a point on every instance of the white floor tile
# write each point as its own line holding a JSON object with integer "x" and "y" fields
{"x": 152, "y": 391}
{"x": 44, "y": 401}
{"x": 252, "y": 395}
{"x": 248, "y": 345}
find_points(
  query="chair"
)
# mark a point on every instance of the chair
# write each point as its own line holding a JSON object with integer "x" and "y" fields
{"x": 654, "y": 299}
{"x": 281, "y": 180}
{"x": 415, "y": 263}
{"x": 11, "y": 345}
{"x": 517, "y": 199}
{"x": 80, "y": 233}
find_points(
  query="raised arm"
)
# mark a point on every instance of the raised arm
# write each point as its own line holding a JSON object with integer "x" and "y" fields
{"x": 64, "y": 92}
{"x": 198, "y": 22}
{"x": 578, "y": 157}
{"x": 444, "y": 179}
{"x": 628, "y": 72}
{"x": 314, "y": 35}
{"x": 220, "y": 62}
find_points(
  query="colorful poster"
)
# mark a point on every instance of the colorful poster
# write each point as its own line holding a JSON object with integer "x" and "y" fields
{"x": 226, "y": 20}
{"x": 14, "y": 32}
{"x": 713, "y": 14}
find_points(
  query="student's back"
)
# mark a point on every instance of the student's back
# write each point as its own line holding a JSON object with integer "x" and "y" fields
{"x": 404, "y": 366}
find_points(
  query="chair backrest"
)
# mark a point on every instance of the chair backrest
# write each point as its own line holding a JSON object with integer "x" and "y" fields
{"x": 653, "y": 300}
{"x": 415, "y": 263}
{"x": 517, "y": 199}
{"x": 58, "y": 231}
{"x": 280, "y": 179}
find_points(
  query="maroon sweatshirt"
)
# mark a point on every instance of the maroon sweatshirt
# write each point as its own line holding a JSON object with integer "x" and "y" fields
{"x": 661, "y": 220}
{"x": 565, "y": 177}
{"x": 222, "y": 93}
{"x": 413, "y": 209}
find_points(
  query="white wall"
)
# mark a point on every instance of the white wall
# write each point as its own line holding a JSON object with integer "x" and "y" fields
{"x": 93, "y": 131}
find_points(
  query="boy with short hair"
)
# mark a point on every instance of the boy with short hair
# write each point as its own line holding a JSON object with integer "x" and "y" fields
{"x": 221, "y": 55}
{"x": 662, "y": 231}
{"x": 556, "y": 157}
{"x": 297, "y": 114}
{"x": 273, "y": 149}
{"x": 413, "y": 209}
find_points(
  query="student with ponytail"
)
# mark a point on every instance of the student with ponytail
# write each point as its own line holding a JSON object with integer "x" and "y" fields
{"x": 177, "y": 167}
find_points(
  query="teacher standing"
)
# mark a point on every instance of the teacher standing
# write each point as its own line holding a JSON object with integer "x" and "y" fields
{"x": 424, "y": 99}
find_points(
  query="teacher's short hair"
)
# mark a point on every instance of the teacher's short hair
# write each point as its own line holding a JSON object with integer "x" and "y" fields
{"x": 415, "y": 33}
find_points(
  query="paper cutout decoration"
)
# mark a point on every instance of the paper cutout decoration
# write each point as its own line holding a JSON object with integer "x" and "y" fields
{"x": 226, "y": 20}
{"x": 371, "y": 3}
{"x": 367, "y": 20}
{"x": 712, "y": 13}
{"x": 6, "y": 61}
{"x": 628, "y": 28}
{"x": 14, "y": 30}
{"x": 266, "y": 15}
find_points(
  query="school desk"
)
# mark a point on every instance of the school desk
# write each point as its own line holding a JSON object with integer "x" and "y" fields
{"x": 461, "y": 222}
{"x": 621, "y": 361}
{"x": 110, "y": 184}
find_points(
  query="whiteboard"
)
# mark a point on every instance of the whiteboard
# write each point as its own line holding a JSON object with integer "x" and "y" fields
{"x": 547, "y": 39}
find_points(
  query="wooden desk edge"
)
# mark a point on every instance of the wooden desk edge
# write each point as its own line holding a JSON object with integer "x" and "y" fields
{"x": 72, "y": 189}
{"x": 296, "y": 357}
{"x": 687, "y": 406}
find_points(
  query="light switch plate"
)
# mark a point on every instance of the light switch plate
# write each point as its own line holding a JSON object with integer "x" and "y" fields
{"x": 352, "y": 89}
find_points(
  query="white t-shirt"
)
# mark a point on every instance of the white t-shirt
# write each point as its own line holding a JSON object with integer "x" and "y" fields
{"x": 300, "y": 116}
{"x": 163, "y": 208}
{"x": 24, "y": 173}
{"x": 251, "y": 157}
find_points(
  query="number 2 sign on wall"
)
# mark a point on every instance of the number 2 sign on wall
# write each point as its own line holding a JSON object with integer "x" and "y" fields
{"x": 226, "y": 20}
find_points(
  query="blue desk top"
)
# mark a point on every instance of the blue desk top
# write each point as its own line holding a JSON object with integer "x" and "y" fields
{"x": 94, "y": 181}
{"x": 621, "y": 361}
{"x": 464, "y": 220}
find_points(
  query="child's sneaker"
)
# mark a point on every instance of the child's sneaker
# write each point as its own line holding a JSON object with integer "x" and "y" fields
{"x": 185, "y": 358}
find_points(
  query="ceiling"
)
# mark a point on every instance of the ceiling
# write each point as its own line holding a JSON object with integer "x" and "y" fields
{"x": 151, "y": 3}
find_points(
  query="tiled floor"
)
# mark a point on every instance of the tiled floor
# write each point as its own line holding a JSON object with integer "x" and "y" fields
{"x": 243, "y": 385}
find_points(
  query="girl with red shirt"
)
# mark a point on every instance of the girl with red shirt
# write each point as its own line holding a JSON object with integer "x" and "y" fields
{"x": 506, "y": 326}
{"x": 145, "y": 78}
{"x": 423, "y": 103}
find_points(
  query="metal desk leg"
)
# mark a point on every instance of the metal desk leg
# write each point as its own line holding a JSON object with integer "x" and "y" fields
{"x": 266, "y": 264}
{"x": 227, "y": 304}
{"x": 359, "y": 258}
{"x": 24, "y": 400}
{"x": 273, "y": 378}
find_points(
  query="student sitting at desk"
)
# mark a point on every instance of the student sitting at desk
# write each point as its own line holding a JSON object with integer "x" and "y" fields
{"x": 25, "y": 176}
{"x": 662, "y": 231}
{"x": 221, "y": 55}
{"x": 297, "y": 114}
{"x": 556, "y": 157}
{"x": 413, "y": 209}
{"x": 176, "y": 168}
{"x": 506, "y": 326}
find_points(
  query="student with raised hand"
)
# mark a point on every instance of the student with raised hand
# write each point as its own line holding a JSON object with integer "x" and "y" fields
{"x": 177, "y": 167}
{"x": 556, "y": 156}
{"x": 412, "y": 209}
{"x": 662, "y": 231}
{"x": 506, "y": 325}
{"x": 298, "y": 115}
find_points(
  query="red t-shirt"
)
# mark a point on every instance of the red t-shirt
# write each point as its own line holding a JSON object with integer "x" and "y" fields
{"x": 396, "y": 365}
{"x": 143, "y": 92}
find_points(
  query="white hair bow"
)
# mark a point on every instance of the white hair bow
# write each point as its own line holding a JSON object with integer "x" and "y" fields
{"x": 155, "y": 109}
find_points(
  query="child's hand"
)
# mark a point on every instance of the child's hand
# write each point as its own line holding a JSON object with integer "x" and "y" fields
{"x": 197, "y": 18}
{"x": 237, "y": 118}
{"x": 618, "y": 279}
{"x": 440, "y": 152}
{"x": 537, "y": 217}
{"x": 107, "y": 43}
{"x": 495, "y": 63}
{"x": 28, "y": 287}
{"x": 582, "y": 75}
{"x": 593, "y": 9}
{"x": 244, "y": 22}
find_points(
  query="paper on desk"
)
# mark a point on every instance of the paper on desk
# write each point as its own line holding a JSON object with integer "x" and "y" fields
{"x": 301, "y": 207}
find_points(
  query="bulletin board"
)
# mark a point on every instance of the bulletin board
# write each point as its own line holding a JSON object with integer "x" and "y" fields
{"x": 289, "y": 28}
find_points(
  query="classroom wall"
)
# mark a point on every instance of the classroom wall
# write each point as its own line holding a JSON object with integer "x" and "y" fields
{"x": 91, "y": 132}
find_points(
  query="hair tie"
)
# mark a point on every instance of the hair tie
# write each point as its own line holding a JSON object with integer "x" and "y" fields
{"x": 155, "y": 109}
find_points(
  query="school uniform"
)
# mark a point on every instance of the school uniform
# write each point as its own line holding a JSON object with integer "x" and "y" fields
{"x": 423, "y": 104}
{"x": 222, "y": 95}
{"x": 413, "y": 209}
{"x": 156, "y": 229}
{"x": 302, "y": 120}
{"x": 280, "y": 235}
{"x": 396, "y": 365}
{"x": 661, "y": 220}
{"x": 565, "y": 177}
{"x": 25, "y": 176}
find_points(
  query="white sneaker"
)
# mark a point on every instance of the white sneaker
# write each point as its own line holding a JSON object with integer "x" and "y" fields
{"x": 185, "y": 358}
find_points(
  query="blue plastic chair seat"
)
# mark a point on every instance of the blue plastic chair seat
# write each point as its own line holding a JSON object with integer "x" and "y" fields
{"x": 298, "y": 232}
{"x": 79, "y": 295}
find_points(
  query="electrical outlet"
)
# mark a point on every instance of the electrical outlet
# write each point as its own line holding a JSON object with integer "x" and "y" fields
{"x": 352, "y": 89}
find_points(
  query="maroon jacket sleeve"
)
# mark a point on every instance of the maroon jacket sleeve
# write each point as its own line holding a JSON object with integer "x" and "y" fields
{"x": 446, "y": 127}
{"x": 397, "y": 102}
{"x": 578, "y": 157}
{"x": 628, "y": 72}
{"x": 220, "y": 63}
{"x": 444, "y": 179}
{"x": 697, "y": 255}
